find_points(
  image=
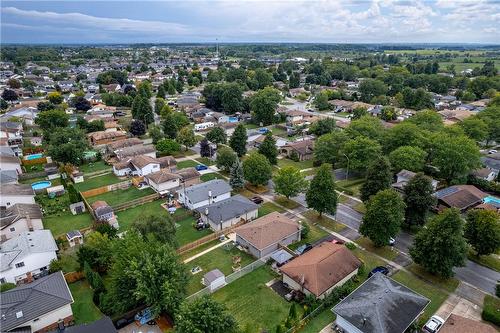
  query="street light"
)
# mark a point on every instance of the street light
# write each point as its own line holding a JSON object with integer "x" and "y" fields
{"x": 347, "y": 173}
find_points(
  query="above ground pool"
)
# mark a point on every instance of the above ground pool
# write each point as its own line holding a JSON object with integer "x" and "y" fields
{"x": 41, "y": 185}
{"x": 233, "y": 119}
{"x": 494, "y": 201}
{"x": 33, "y": 156}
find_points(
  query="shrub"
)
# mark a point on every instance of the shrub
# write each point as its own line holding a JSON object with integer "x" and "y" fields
{"x": 490, "y": 310}
{"x": 7, "y": 286}
{"x": 350, "y": 246}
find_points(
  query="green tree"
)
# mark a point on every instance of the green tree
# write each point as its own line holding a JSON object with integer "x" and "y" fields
{"x": 217, "y": 135}
{"x": 321, "y": 195}
{"x": 238, "y": 141}
{"x": 328, "y": 147}
{"x": 367, "y": 126}
{"x": 55, "y": 98}
{"x": 161, "y": 92}
{"x": 67, "y": 145}
{"x": 428, "y": 120}
{"x": 168, "y": 146}
{"x": 173, "y": 122}
{"x": 268, "y": 149}
{"x": 48, "y": 120}
{"x": 383, "y": 218}
{"x": 359, "y": 112}
{"x": 145, "y": 90}
{"x": 137, "y": 128}
{"x": 142, "y": 110}
{"x": 155, "y": 133}
{"x": 204, "y": 315}
{"x": 186, "y": 137}
{"x": 323, "y": 126}
{"x": 418, "y": 197}
{"x": 159, "y": 105}
{"x": 226, "y": 157}
{"x": 73, "y": 194}
{"x": 408, "y": 158}
{"x": 262, "y": 79}
{"x": 404, "y": 134}
{"x": 263, "y": 105}
{"x": 96, "y": 251}
{"x": 321, "y": 101}
{"x": 159, "y": 226}
{"x": 256, "y": 169}
{"x": 441, "y": 246}
{"x": 378, "y": 178}
{"x": 236, "y": 177}
{"x": 289, "y": 182}
{"x": 371, "y": 88}
{"x": 475, "y": 128}
{"x": 388, "y": 113}
{"x": 491, "y": 116}
{"x": 482, "y": 231}
{"x": 360, "y": 152}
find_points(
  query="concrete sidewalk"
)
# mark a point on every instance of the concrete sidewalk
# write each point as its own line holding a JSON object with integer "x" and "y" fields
{"x": 230, "y": 238}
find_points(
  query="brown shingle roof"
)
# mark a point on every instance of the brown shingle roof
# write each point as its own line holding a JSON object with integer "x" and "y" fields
{"x": 466, "y": 196}
{"x": 166, "y": 161}
{"x": 142, "y": 160}
{"x": 162, "y": 176}
{"x": 101, "y": 135}
{"x": 268, "y": 230}
{"x": 125, "y": 143}
{"x": 188, "y": 173}
{"x": 458, "y": 324}
{"x": 322, "y": 267}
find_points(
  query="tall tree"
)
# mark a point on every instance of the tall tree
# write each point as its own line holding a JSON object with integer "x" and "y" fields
{"x": 74, "y": 196}
{"x": 204, "y": 315}
{"x": 256, "y": 169}
{"x": 137, "y": 128}
{"x": 263, "y": 105}
{"x": 236, "y": 178}
{"x": 482, "y": 231}
{"x": 408, "y": 158}
{"x": 48, "y": 120}
{"x": 238, "y": 140}
{"x": 159, "y": 226}
{"x": 360, "y": 152}
{"x": 186, "y": 137}
{"x": 205, "y": 149}
{"x": 418, "y": 199}
{"x": 383, "y": 218}
{"x": 217, "y": 135}
{"x": 268, "y": 149}
{"x": 142, "y": 110}
{"x": 67, "y": 145}
{"x": 378, "y": 178}
{"x": 161, "y": 92}
{"x": 328, "y": 147}
{"x": 289, "y": 182}
{"x": 225, "y": 158}
{"x": 321, "y": 195}
{"x": 441, "y": 246}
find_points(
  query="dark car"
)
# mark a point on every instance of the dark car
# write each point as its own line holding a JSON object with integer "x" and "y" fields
{"x": 200, "y": 167}
{"x": 303, "y": 248}
{"x": 381, "y": 269}
{"x": 119, "y": 114}
{"x": 257, "y": 200}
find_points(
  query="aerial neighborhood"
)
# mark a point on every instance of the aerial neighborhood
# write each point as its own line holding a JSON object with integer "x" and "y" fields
{"x": 233, "y": 188}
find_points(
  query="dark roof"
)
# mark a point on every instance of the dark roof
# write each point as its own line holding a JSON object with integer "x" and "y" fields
{"x": 103, "y": 325}
{"x": 381, "y": 305}
{"x": 460, "y": 196}
{"x": 188, "y": 173}
{"x": 228, "y": 208}
{"x": 8, "y": 176}
{"x": 33, "y": 300}
{"x": 19, "y": 211}
{"x": 199, "y": 192}
{"x": 17, "y": 189}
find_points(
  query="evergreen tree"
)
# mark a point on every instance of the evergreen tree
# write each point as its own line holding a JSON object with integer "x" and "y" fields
{"x": 321, "y": 195}
{"x": 205, "y": 150}
{"x": 142, "y": 110}
{"x": 74, "y": 196}
{"x": 418, "y": 199}
{"x": 161, "y": 92}
{"x": 268, "y": 149}
{"x": 238, "y": 140}
{"x": 236, "y": 180}
{"x": 137, "y": 128}
{"x": 378, "y": 178}
{"x": 441, "y": 246}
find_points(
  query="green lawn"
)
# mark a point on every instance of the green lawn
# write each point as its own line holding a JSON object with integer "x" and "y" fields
{"x": 221, "y": 258}
{"x": 211, "y": 176}
{"x": 60, "y": 225}
{"x": 95, "y": 182}
{"x": 199, "y": 249}
{"x": 126, "y": 217}
{"x": 287, "y": 203}
{"x": 269, "y": 207}
{"x": 186, "y": 233}
{"x": 206, "y": 161}
{"x": 313, "y": 235}
{"x": 84, "y": 310}
{"x": 324, "y": 221}
{"x": 255, "y": 306}
{"x": 387, "y": 252}
{"x": 121, "y": 196}
{"x": 94, "y": 166}
{"x": 491, "y": 261}
{"x": 186, "y": 164}
{"x": 319, "y": 322}
{"x": 300, "y": 165}
{"x": 370, "y": 261}
{"x": 447, "y": 284}
{"x": 351, "y": 186}
{"x": 435, "y": 295}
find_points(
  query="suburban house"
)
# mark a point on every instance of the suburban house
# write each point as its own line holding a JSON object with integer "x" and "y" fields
{"x": 304, "y": 149}
{"x": 11, "y": 194}
{"x": 379, "y": 305}
{"x": 461, "y": 197}
{"x": 127, "y": 153}
{"x": 113, "y": 147}
{"x": 492, "y": 162}
{"x": 10, "y": 163}
{"x": 19, "y": 218}
{"x": 163, "y": 181}
{"x": 321, "y": 269}
{"x": 295, "y": 117}
{"x": 27, "y": 256}
{"x": 104, "y": 213}
{"x": 204, "y": 194}
{"x": 103, "y": 137}
{"x": 189, "y": 176}
{"x": 485, "y": 174}
{"x": 404, "y": 176}
{"x": 266, "y": 234}
{"x": 142, "y": 165}
{"x": 39, "y": 306}
{"x": 459, "y": 324}
{"x": 228, "y": 212}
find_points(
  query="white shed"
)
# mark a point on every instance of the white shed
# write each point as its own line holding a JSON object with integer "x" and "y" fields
{"x": 214, "y": 279}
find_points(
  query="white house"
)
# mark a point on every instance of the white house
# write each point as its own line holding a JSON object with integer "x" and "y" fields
{"x": 163, "y": 181}
{"x": 203, "y": 194}
{"x": 19, "y": 218}
{"x": 27, "y": 256}
{"x": 11, "y": 194}
{"x": 203, "y": 126}
{"x": 38, "y": 306}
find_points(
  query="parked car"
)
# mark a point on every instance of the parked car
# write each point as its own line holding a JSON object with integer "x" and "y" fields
{"x": 258, "y": 200}
{"x": 433, "y": 325}
{"x": 119, "y": 114}
{"x": 263, "y": 130}
{"x": 200, "y": 167}
{"x": 493, "y": 151}
{"x": 303, "y": 248}
{"x": 381, "y": 269}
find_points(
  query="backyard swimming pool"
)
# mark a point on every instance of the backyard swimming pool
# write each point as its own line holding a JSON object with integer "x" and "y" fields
{"x": 41, "y": 185}
{"x": 33, "y": 156}
{"x": 494, "y": 201}
{"x": 233, "y": 119}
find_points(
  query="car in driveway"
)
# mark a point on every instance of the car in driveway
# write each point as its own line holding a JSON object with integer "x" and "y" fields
{"x": 201, "y": 167}
{"x": 433, "y": 325}
{"x": 382, "y": 269}
{"x": 303, "y": 248}
{"x": 256, "y": 199}
{"x": 263, "y": 130}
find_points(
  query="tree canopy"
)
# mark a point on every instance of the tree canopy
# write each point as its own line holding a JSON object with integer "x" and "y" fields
{"x": 256, "y": 169}
{"x": 289, "y": 182}
{"x": 321, "y": 195}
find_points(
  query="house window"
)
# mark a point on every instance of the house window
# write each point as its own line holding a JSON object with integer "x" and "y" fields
{"x": 20, "y": 264}
{"x": 12, "y": 229}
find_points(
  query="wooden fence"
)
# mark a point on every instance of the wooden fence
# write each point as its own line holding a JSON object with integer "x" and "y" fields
{"x": 107, "y": 188}
{"x": 31, "y": 175}
{"x": 135, "y": 202}
{"x": 41, "y": 160}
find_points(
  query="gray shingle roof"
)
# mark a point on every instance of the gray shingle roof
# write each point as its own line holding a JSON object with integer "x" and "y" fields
{"x": 17, "y": 189}
{"x": 228, "y": 208}
{"x": 381, "y": 305}
{"x": 199, "y": 192}
{"x": 19, "y": 211}
{"x": 212, "y": 276}
{"x": 33, "y": 300}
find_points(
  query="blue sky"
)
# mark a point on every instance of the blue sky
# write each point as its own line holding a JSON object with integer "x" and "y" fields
{"x": 347, "y": 21}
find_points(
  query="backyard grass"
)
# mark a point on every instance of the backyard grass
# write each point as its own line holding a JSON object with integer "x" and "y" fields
{"x": 387, "y": 252}
{"x": 313, "y": 235}
{"x": 491, "y": 308}
{"x": 117, "y": 197}
{"x": 269, "y": 207}
{"x": 369, "y": 260}
{"x": 126, "y": 217}
{"x": 447, "y": 284}
{"x": 324, "y": 221}
{"x": 186, "y": 164}
{"x": 435, "y": 295}
{"x": 186, "y": 233}
{"x": 491, "y": 261}
{"x": 206, "y": 161}
{"x": 69, "y": 260}
{"x": 319, "y": 322}
{"x": 94, "y": 166}
{"x": 199, "y": 249}
{"x": 255, "y": 306}
{"x": 61, "y": 224}
{"x": 299, "y": 165}
{"x": 287, "y": 203}
{"x": 211, "y": 176}
{"x": 220, "y": 258}
{"x": 84, "y": 310}
{"x": 98, "y": 181}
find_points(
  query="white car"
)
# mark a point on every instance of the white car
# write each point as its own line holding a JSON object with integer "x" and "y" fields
{"x": 493, "y": 151}
{"x": 433, "y": 325}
